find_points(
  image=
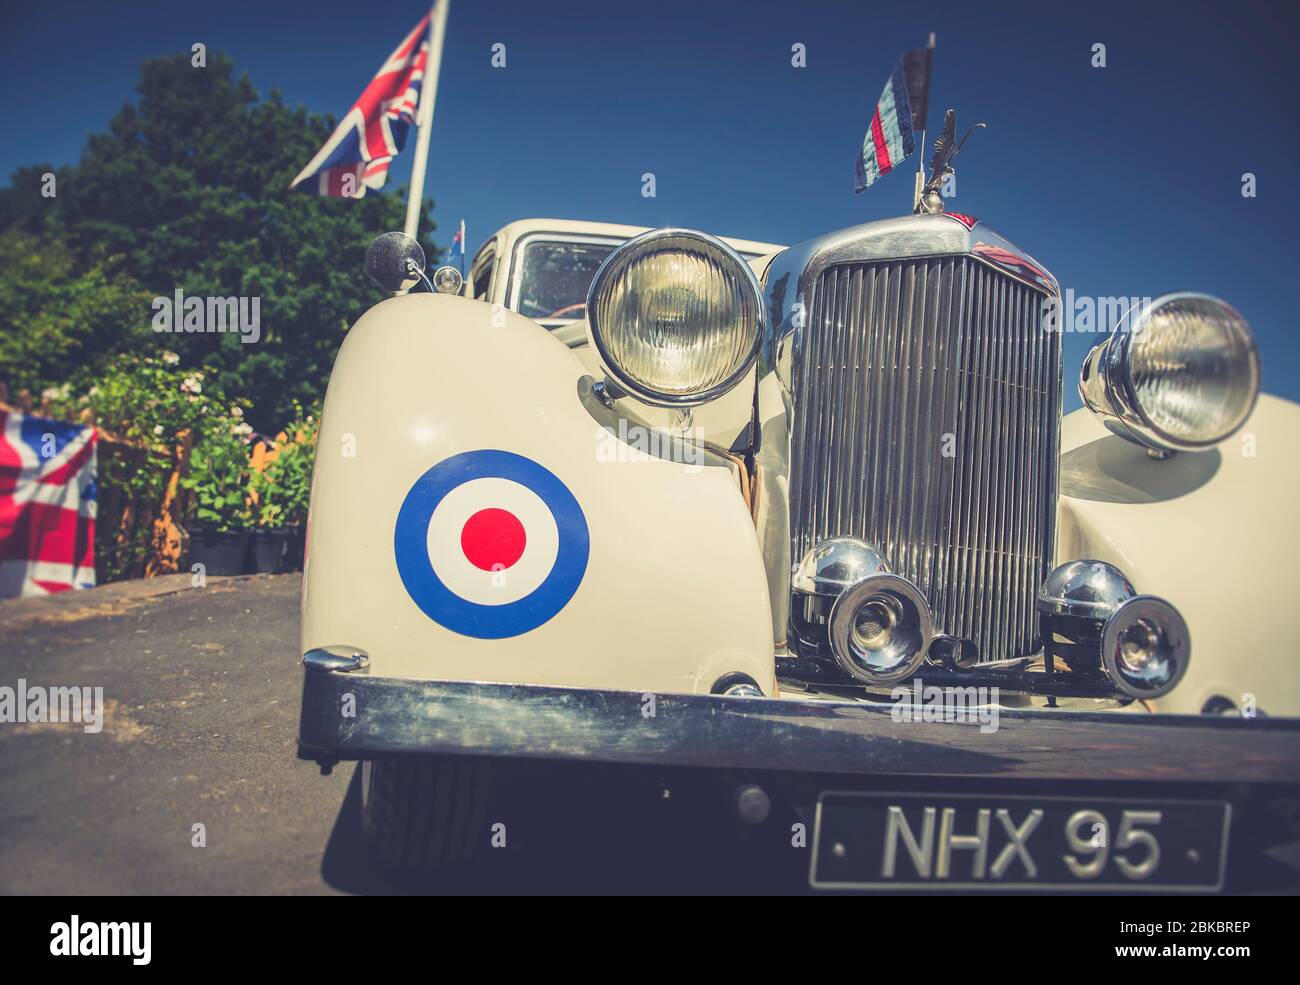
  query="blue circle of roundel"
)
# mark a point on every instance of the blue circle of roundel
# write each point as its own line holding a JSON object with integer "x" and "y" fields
{"x": 441, "y": 604}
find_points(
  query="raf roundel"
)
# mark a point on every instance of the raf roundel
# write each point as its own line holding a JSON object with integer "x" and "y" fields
{"x": 490, "y": 544}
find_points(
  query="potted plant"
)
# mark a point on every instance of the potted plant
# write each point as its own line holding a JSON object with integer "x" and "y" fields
{"x": 218, "y": 482}
{"x": 280, "y": 492}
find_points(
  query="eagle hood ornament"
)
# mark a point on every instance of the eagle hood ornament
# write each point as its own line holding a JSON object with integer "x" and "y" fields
{"x": 946, "y": 148}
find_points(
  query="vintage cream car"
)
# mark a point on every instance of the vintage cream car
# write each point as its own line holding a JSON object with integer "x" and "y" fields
{"x": 624, "y": 469}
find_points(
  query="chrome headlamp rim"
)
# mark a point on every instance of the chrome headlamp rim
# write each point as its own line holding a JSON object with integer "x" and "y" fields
{"x": 1120, "y": 409}
{"x": 845, "y": 607}
{"x": 1174, "y": 630}
{"x": 640, "y": 390}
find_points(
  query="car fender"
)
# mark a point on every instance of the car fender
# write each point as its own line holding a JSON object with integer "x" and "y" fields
{"x": 1213, "y": 532}
{"x": 674, "y": 593}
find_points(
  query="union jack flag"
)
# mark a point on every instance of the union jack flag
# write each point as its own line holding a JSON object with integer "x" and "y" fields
{"x": 373, "y": 132}
{"x": 900, "y": 110}
{"x": 47, "y": 505}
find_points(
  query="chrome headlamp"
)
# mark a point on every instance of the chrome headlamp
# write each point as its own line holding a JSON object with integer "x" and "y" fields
{"x": 1178, "y": 375}
{"x": 676, "y": 316}
{"x": 1094, "y": 620}
{"x": 877, "y": 624}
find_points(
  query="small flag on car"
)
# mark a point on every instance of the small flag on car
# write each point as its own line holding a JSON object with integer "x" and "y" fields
{"x": 900, "y": 112}
{"x": 373, "y": 132}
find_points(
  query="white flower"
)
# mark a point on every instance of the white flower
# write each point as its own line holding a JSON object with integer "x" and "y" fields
{"x": 157, "y": 429}
{"x": 170, "y": 358}
{"x": 236, "y": 412}
{"x": 191, "y": 384}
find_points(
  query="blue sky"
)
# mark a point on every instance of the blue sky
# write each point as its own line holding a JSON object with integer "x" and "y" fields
{"x": 1124, "y": 181}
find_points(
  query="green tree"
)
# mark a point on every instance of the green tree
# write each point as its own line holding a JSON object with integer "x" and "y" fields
{"x": 189, "y": 188}
{"x": 57, "y": 317}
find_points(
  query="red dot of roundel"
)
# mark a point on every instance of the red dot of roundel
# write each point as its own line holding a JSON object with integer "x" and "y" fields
{"x": 493, "y": 539}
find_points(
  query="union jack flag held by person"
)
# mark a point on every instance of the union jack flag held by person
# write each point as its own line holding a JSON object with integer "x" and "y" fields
{"x": 900, "y": 112}
{"x": 374, "y": 131}
{"x": 47, "y": 505}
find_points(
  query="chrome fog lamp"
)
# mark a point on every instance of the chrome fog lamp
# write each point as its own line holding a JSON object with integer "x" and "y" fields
{"x": 1178, "y": 375}
{"x": 1094, "y": 620}
{"x": 880, "y": 629}
{"x": 1145, "y": 647}
{"x": 835, "y": 565}
{"x": 676, "y": 317}
{"x": 877, "y": 624}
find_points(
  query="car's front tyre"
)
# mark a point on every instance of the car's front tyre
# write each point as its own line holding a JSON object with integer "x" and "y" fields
{"x": 425, "y": 812}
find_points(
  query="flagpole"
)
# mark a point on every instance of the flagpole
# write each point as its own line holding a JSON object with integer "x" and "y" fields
{"x": 428, "y": 94}
{"x": 920, "y": 157}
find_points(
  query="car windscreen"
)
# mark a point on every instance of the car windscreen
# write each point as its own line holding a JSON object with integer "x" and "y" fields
{"x": 554, "y": 277}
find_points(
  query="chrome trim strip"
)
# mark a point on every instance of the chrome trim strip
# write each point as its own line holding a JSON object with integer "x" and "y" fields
{"x": 396, "y": 716}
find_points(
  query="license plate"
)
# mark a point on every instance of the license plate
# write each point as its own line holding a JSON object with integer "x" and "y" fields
{"x": 975, "y": 842}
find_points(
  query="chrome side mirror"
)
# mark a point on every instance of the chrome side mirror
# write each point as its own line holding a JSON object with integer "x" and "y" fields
{"x": 395, "y": 262}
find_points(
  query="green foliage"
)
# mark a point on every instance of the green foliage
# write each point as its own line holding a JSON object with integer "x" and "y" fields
{"x": 219, "y": 480}
{"x": 281, "y": 491}
{"x": 189, "y": 189}
{"x": 57, "y": 317}
{"x": 154, "y": 405}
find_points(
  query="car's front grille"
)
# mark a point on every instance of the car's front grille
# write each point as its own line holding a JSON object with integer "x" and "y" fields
{"x": 927, "y": 411}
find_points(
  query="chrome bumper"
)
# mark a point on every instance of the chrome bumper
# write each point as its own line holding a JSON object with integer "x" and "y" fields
{"x": 395, "y": 716}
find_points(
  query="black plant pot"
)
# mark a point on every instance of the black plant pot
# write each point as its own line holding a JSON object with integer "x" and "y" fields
{"x": 268, "y": 551}
{"x": 296, "y": 548}
{"x": 220, "y": 552}
{"x": 276, "y": 550}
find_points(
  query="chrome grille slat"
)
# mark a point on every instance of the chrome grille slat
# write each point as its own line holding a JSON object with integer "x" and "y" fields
{"x": 955, "y": 399}
{"x": 894, "y": 355}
